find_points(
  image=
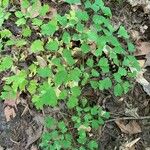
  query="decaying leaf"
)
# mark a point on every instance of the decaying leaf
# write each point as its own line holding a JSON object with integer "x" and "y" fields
{"x": 34, "y": 9}
{"x": 9, "y": 112}
{"x": 129, "y": 145}
{"x": 82, "y": 127}
{"x": 141, "y": 80}
{"x": 143, "y": 49}
{"x": 131, "y": 128}
{"x": 42, "y": 63}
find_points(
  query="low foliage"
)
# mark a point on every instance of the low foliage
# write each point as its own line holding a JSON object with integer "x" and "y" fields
{"x": 54, "y": 58}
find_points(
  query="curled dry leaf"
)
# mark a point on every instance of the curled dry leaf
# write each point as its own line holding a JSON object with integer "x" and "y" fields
{"x": 131, "y": 128}
{"x": 9, "y": 113}
{"x": 129, "y": 145}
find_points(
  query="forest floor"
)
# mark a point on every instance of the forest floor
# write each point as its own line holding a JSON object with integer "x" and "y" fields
{"x": 23, "y": 131}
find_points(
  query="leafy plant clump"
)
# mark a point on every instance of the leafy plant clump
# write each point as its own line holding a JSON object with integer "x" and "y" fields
{"x": 55, "y": 57}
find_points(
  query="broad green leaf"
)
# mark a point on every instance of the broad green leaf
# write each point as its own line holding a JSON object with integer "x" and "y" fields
{"x": 60, "y": 77}
{"x": 131, "y": 47}
{"x": 72, "y": 102}
{"x": 6, "y": 63}
{"x": 20, "y": 22}
{"x": 32, "y": 86}
{"x": 73, "y": 1}
{"x": 106, "y": 11}
{"x": 92, "y": 145}
{"x": 118, "y": 90}
{"x": 90, "y": 62}
{"x": 122, "y": 71}
{"x": 66, "y": 38}
{"x": 75, "y": 74}
{"x": 95, "y": 73}
{"x": 103, "y": 63}
{"x": 44, "y": 10}
{"x": 68, "y": 57}
{"x": 44, "y": 72}
{"x": 26, "y": 32}
{"x": 82, "y": 15}
{"x": 37, "y": 46}
{"x": 62, "y": 126}
{"x": 85, "y": 48}
{"x": 123, "y": 32}
{"x": 52, "y": 45}
{"x": 49, "y": 28}
{"x": 62, "y": 20}
{"x": 105, "y": 84}
{"x": 37, "y": 22}
{"x": 76, "y": 91}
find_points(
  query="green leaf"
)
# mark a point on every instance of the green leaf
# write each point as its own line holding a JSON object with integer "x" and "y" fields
{"x": 62, "y": 126}
{"x": 68, "y": 57}
{"x": 60, "y": 77}
{"x": 5, "y": 3}
{"x": 19, "y": 14}
{"x": 49, "y": 28}
{"x": 48, "y": 96}
{"x": 44, "y": 72}
{"x": 131, "y": 47}
{"x": 106, "y": 11}
{"x": 50, "y": 122}
{"x": 75, "y": 74}
{"x": 103, "y": 63}
{"x": 6, "y": 63}
{"x": 122, "y": 71}
{"x": 105, "y": 84}
{"x": 26, "y": 32}
{"x": 126, "y": 86}
{"x": 44, "y": 10}
{"x": 62, "y": 20}
{"x": 95, "y": 110}
{"x": 90, "y": 62}
{"x": 123, "y": 33}
{"x": 72, "y": 102}
{"x": 95, "y": 124}
{"x": 63, "y": 94}
{"x": 37, "y": 22}
{"x": 117, "y": 77}
{"x": 37, "y": 46}
{"x": 20, "y": 21}
{"x": 52, "y": 45}
{"x": 85, "y": 48}
{"x": 82, "y": 15}
{"x": 66, "y": 38}
{"x": 76, "y": 91}
{"x": 32, "y": 87}
{"x": 92, "y": 145}
{"x": 25, "y": 4}
{"x": 94, "y": 84}
{"x": 118, "y": 90}
{"x": 95, "y": 73}
{"x": 73, "y": 1}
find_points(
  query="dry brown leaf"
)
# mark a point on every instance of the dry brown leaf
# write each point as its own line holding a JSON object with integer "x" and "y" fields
{"x": 33, "y": 147}
{"x": 34, "y": 9}
{"x": 82, "y": 127}
{"x": 9, "y": 112}
{"x": 131, "y": 128}
{"x": 141, "y": 80}
{"x": 51, "y": 14}
{"x": 130, "y": 145}
{"x": 141, "y": 63}
{"x": 135, "y": 35}
{"x": 143, "y": 49}
{"x": 10, "y": 103}
{"x": 42, "y": 63}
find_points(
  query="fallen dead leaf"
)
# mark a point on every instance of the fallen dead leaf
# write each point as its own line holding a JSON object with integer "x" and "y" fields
{"x": 9, "y": 112}
{"x": 141, "y": 80}
{"x": 33, "y": 136}
{"x": 142, "y": 49}
{"x": 42, "y": 63}
{"x": 131, "y": 128}
{"x": 33, "y": 147}
{"x": 142, "y": 63}
{"x": 135, "y": 35}
{"x": 129, "y": 145}
{"x": 34, "y": 9}
{"x": 82, "y": 127}
{"x": 1, "y": 148}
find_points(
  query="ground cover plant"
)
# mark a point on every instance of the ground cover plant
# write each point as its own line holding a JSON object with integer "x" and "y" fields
{"x": 54, "y": 58}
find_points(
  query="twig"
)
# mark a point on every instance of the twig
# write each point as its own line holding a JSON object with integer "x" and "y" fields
{"x": 128, "y": 118}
